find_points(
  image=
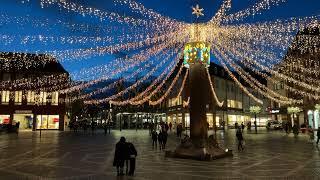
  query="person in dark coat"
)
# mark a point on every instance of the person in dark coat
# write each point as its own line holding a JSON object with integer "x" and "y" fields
{"x": 160, "y": 139}
{"x": 105, "y": 128}
{"x": 132, "y": 158}
{"x": 154, "y": 138}
{"x": 295, "y": 130}
{"x": 17, "y": 127}
{"x": 318, "y": 135}
{"x": 120, "y": 155}
{"x": 240, "y": 139}
{"x": 164, "y": 139}
{"x": 242, "y": 126}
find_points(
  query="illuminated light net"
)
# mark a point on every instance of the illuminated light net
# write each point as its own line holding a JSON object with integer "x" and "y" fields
{"x": 153, "y": 39}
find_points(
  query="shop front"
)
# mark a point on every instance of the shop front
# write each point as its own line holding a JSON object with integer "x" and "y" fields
{"x": 232, "y": 119}
{"x": 4, "y": 119}
{"x": 313, "y": 118}
{"x": 47, "y": 122}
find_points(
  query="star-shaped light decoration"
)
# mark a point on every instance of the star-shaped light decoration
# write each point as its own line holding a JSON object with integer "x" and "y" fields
{"x": 197, "y": 11}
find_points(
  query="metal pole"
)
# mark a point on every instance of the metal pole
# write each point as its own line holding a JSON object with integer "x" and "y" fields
{"x": 137, "y": 122}
{"x": 120, "y": 121}
{"x": 41, "y": 116}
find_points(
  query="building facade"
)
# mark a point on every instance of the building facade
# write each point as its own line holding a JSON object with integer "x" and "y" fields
{"x": 30, "y": 95}
{"x": 302, "y": 62}
{"x": 235, "y": 108}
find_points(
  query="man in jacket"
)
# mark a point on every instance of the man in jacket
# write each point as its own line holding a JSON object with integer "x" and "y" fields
{"x": 120, "y": 156}
{"x": 132, "y": 158}
{"x": 318, "y": 135}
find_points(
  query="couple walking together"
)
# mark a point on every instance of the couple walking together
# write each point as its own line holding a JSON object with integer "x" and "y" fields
{"x": 125, "y": 153}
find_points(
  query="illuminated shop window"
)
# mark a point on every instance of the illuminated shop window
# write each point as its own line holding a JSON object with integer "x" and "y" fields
{"x": 47, "y": 122}
{"x": 4, "y": 119}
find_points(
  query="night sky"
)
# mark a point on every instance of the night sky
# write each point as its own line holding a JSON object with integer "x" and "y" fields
{"x": 177, "y": 9}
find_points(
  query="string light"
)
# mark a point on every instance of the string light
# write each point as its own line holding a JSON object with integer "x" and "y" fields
{"x": 258, "y": 46}
{"x": 219, "y": 103}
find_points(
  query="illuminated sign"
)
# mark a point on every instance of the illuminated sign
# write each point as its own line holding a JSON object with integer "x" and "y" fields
{"x": 196, "y": 52}
{"x": 274, "y": 111}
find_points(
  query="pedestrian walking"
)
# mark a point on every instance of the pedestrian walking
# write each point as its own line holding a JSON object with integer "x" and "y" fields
{"x": 92, "y": 127}
{"x": 160, "y": 139}
{"x": 120, "y": 155}
{"x": 255, "y": 126}
{"x": 286, "y": 127}
{"x": 223, "y": 124}
{"x": 295, "y": 130}
{"x": 105, "y": 128}
{"x": 170, "y": 126}
{"x": 154, "y": 139}
{"x": 166, "y": 127}
{"x": 249, "y": 126}
{"x": 179, "y": 130}
{"x": 240, "y": 139}
{"x": 132, "y": 158}
{"x": 311, "y": 134}
{"x": 17, "y": 127}
{"x": 151, "y": 127}
{"x": 164, "y": 139}
{"x": 242, "y": 126}
{"x": 318, "y": 135}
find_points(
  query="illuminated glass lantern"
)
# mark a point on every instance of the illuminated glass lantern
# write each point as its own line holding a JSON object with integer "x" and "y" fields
{"x": 196, "y": 52}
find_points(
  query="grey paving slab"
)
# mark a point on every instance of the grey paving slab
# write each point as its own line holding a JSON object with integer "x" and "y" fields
{"x": 65, "y": 155}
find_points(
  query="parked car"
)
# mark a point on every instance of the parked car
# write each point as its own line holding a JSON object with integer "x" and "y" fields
{"x": 273, "y": 125}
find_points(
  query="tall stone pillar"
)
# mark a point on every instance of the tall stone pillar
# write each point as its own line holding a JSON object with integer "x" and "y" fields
{"x": 199, "y": 94}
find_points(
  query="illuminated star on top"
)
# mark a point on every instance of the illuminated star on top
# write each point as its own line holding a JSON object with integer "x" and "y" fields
{"x": 197, "y": 11}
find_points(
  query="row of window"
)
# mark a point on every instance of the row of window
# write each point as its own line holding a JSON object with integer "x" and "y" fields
{"x": 175, "y": 101}
{"x": 32, "y": 98}
{"x": 230, "y": 87}
{"x": 278, "y": 86}
{"x": 234, "y": 104}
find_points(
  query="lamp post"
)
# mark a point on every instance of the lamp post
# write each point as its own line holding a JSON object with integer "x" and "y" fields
{"x": 293, "y": 111}
{"x": 109, "y": 117}
{"x": 255, "y": 110}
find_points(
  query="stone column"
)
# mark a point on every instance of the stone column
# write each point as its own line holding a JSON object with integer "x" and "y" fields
{"x": 199, "y": 94}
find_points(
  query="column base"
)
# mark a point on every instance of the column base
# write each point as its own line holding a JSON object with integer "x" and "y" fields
{"x": 209, "y": 151}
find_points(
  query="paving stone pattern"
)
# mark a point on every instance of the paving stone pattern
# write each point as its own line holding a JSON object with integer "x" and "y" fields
{"x": 65, "y": 155}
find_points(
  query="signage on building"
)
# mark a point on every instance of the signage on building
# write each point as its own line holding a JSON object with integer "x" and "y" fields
{"x": 23, "y": 111}
{"x": 275, "y": 111}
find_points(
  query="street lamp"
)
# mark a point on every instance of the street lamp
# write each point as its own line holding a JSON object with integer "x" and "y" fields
{"x": 293, "y": 111}
{"x": 109, "y": 117}
{"x": 255, "y": 110}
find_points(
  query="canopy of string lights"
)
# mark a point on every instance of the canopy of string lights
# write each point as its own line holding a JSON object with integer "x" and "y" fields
{"x": 156, "y": 44}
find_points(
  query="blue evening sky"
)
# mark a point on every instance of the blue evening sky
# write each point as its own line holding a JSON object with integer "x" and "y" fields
{"x": 31, "y": 12}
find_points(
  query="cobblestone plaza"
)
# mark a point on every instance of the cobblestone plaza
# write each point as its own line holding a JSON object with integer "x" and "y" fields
{"x": 65, "y": 155}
